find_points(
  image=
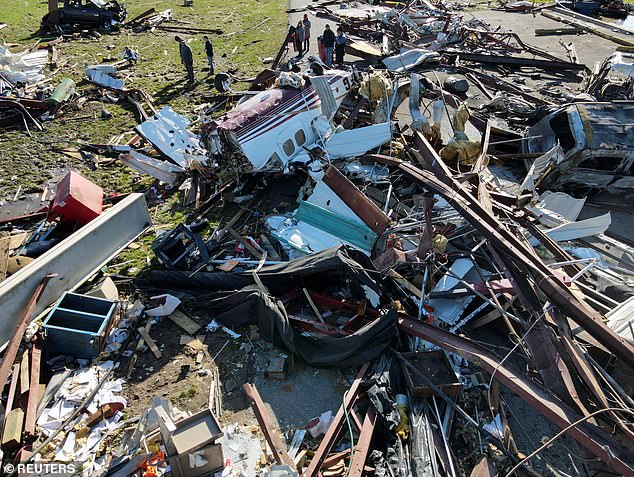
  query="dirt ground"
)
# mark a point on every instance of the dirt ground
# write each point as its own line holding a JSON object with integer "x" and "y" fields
{"x": 28, "y": 163}
{"x": 306, "y": 392}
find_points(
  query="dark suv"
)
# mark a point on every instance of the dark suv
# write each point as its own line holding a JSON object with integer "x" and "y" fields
{"x": 91, "y": 13}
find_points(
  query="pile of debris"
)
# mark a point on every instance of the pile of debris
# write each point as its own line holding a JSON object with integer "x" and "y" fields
{"x": 373, "y": 219}
{"x": 26, "y": 96}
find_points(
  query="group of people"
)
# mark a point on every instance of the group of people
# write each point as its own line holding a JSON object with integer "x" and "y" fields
{"x": 187, "y": 57}
{"x": 336, "y": 43}
{"x": 300, "y": 35}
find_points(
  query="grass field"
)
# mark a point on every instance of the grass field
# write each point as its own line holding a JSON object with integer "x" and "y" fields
{"x": 252, "y": 30}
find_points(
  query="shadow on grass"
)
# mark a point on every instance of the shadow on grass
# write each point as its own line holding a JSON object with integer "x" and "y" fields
{"x": 175, "y": 89}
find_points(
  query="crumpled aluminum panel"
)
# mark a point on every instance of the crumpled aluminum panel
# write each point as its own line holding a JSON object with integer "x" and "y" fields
{"x": 167, "y": 132}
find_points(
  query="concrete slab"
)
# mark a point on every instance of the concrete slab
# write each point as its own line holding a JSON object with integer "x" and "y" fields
{"x": 590, "y": 48}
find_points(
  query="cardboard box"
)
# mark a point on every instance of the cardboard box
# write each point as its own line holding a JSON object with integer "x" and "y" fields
{"x": 198, "y": 463}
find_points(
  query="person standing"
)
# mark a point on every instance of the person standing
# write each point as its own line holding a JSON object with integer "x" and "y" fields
{"x": 187, "y": 58}
{"x": 209, "y": 51}
{"x": 328, "y": 38}
{"x": 340, "y": 46}
{"x": 299, "y": 38}
{"x": 307, "y": 25}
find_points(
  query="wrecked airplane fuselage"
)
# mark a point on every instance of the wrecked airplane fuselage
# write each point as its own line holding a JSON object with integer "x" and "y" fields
{"x": 270, "y": 129}
{"x": 597, "y": 144}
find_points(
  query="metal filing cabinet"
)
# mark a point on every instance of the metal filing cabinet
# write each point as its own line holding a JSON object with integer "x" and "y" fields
{"x": 78, "y": 325}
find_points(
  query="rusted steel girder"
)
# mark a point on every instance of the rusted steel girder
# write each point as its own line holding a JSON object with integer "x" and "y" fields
{"x": 362, "y": 447}
{"x": 269, "y": 429}
{"x": 512, "y": 248}
{"x": 332, "y": 435}
{"x": 594, "y": 439}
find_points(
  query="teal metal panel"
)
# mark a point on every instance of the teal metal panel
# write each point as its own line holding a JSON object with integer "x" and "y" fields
{"x": 359, "y": 235}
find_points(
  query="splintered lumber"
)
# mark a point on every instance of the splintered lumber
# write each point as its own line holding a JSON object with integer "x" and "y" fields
{"x": 12, "y": 435}
{"x": 558, "y": 31}
{"x": 332, "y": 435}
{"x": 185, "y": 322}
{"x": 252, "y": 250}
{"x": 25, "y": 382}
{"x": 12, "y": 389}
{"x": 139, "y": 345}
{"x": 136, "y": 19}
{"x": 313, "y": 306}
{"x": 150, "y": 342}
{"x": 34, "y": 388}
{"x": 14, "y": 344}
{"x": 269, "y": 429}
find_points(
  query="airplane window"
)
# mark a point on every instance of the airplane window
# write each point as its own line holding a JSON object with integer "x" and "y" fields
{"x": 289, "y": 147}
{"x": 300, "y": 137}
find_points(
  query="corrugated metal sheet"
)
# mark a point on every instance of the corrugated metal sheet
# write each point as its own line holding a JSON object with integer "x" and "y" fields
{"x": 621, "y": 319}
{"x": 562, "y": 204}
{"x": 327, "y": 97}
{"x": 22, "y": 67}
{"x": 409, "y": 59}
{"x": 574, "y": 230}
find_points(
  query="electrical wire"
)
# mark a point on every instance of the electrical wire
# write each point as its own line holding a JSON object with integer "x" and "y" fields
{"x": 562, "y": 432}
{"x": 505, "y": 358}
{"x": 345, "y": 411}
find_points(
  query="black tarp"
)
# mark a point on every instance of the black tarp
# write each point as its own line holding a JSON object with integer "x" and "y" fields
{"x": 236, "y": 299}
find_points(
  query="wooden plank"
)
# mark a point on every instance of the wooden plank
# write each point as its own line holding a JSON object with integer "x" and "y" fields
{"x": 4, "y": 256}
{"x": 14, "y": 343}
{"x": 269, "y": 429}
{"x": 252, "y": 250}
{"x": 398, "y": 278}
{"x": 185, "y": 322}
{"x": 12, "y": 389}
{"x": 558, "y": 31}
{"x": 25, "y": 382}
{"x": 16, "y": 240}
{"x": 150, "y": 342}
{"x": 139, "y": 345}
{"x": 334, "y": 458}
{"x": 193, "y": 343}
{"x": 34, "y": 388}
{"x": 222, "y": 232}
{"x": 313, "y": 306}
{"x": 12, "y": 435}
